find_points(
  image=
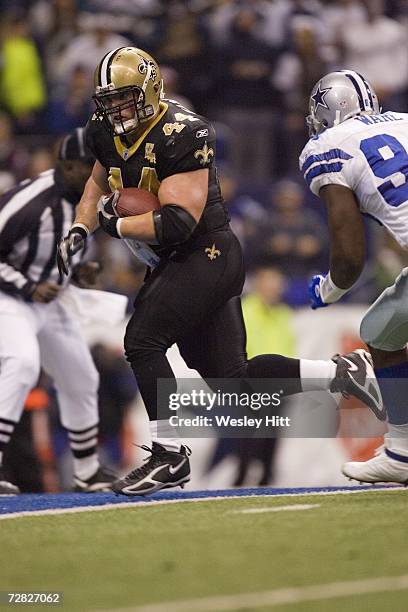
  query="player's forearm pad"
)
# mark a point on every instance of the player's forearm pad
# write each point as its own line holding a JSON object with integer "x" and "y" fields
{"x": 173, "y": 225}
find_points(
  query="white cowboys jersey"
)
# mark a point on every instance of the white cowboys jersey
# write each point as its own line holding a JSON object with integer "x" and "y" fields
{"x": 369, "y": 155}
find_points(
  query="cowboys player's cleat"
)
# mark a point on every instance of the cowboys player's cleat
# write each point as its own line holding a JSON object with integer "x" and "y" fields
{"x": 101, "y": 481}
{"x": 355, "y": 376}
{"x": 164, "y": 469}
{"x": 7, "y": 487}
{"x": 386, "y": 466}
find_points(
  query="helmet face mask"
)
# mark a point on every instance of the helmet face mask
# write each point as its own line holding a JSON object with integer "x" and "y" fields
{"x": 339, "y": 96}
{"x": 128, "y": 90}
{"x": 112, "y": 108}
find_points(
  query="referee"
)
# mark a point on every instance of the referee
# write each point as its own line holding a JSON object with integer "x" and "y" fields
{"x": 36, "y": 330}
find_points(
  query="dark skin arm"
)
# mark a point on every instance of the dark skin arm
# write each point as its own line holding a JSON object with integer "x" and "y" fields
{"x": 347, "y": 246}
{"x": 347, "y": 237}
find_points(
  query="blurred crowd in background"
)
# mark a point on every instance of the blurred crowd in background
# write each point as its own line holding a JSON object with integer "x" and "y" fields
{"x": 249, "y": 66}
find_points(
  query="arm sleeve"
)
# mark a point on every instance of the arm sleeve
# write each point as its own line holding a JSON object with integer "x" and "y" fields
{"x": 191, "y": 149}
{"x": 324, "y": 163}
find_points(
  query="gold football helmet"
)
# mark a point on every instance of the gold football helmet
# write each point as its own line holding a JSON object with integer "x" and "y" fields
{"x": 127, "y": 78}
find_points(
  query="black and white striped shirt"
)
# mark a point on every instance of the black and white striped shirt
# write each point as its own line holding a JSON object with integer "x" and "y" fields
{"x": 34, "y": 216}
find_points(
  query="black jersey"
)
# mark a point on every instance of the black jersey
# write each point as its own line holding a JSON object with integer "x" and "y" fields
{"x": 178, "y": 140}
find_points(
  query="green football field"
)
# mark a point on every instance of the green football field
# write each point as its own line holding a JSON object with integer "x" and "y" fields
{"x": 316, "y": 558}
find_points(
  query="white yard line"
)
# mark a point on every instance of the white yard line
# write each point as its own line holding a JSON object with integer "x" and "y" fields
{"x": 276, "y": 509}
{"x": 161, "y": 502}
{"x": 277, "y": 597}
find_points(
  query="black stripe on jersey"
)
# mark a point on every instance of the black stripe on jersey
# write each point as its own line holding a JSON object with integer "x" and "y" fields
{"x": 26, "y": 204}
{"x": 358, "y": 90}
{"x": 5, "y": 197}
{"x": 32, "y": 251}
{"x": 58, "y": 220}
{"x": 21, "y": 223}
{"x": 10, "y": 288}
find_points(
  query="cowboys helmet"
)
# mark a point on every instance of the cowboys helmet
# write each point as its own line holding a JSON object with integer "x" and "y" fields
{"x": 127, "y": 77}
{"x": 338, "y": 96}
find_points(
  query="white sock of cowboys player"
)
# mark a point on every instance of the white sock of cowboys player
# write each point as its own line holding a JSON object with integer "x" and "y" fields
{"x": 163, "y": 433}
{"x": 393, "y": 383}
{"x": 397, "y": 438}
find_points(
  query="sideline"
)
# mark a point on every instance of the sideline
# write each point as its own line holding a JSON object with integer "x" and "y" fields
{"x": 53, "y": 504}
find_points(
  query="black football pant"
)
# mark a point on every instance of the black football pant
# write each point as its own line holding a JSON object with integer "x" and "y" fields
{"x": 192, "y": 300}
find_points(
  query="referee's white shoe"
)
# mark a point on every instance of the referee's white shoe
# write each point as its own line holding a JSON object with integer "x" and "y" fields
{"x": 7, "y": 487}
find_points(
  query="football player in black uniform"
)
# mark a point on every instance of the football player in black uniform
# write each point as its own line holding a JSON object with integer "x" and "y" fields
{"x": 191, "y": 296}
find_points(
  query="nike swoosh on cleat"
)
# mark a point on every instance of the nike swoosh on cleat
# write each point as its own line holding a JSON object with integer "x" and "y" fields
{"x": 174, "y": 469}
{"x": 376, "y": 406}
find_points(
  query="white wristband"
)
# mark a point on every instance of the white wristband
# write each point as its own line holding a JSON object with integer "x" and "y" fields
{"x": 329, "y": 292}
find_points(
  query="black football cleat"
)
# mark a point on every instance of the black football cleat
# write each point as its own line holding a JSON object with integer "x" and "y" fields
{"x": 164, "y": 469}
{"x": 100, "y": 482}
{"x": 7, "y": 487}
{"x": 355, "y": 376}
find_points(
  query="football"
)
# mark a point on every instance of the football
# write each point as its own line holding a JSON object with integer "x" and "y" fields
{"x": 133, "y": 201}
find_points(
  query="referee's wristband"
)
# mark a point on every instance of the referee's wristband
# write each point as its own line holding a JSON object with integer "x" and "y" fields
{"x": 329, "y": 292}
{"x": 80, "y": 228}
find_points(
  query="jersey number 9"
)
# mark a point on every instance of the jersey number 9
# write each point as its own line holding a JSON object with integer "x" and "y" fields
{"x": 388, "y": 158}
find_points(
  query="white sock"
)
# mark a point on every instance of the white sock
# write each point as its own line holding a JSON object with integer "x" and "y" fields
{"x": 86, "y": 467}
{"x": 317, "y": 375}
{"x": 397, "y": 438}
{"x": 166, "y": 435}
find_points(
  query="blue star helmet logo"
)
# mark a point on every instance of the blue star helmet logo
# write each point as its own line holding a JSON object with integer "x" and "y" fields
{"x": 319, "y": 95}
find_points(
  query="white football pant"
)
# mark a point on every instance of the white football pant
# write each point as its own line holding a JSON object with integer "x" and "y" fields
{"x": 385, "y": 324}
{"x": 44, "y": 335}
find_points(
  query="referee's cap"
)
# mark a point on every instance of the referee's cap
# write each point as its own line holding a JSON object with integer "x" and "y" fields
{"x": 73, "y": 147}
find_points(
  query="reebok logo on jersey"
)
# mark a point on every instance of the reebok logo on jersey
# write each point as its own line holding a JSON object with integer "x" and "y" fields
{"x": 201, "y": 133}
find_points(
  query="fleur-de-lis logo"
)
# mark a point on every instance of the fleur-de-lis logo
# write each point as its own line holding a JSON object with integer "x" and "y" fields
{"x": 212, "y": 253}
{"x": 205, "y": 153}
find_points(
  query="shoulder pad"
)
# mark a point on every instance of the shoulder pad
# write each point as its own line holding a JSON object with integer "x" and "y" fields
{"x": 321, "y": 163}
